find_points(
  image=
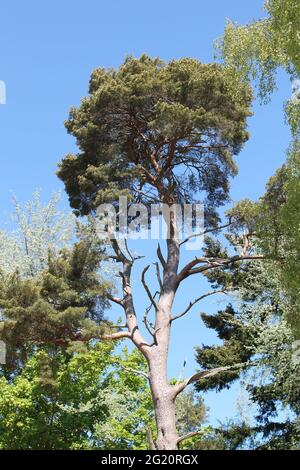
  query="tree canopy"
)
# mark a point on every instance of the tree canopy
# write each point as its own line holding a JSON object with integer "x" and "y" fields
{"x": 155, "y": 132}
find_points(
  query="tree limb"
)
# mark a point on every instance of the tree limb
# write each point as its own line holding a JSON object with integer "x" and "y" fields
{"x": 115, "y": 336}
{"x": 116, "y": 300}
{"x": 212, "y": 263}
{"x": 158, "y": 276}
{"x": 203, "y": 374}
{"x": 147, "y": 288}
{"x": 160, "y": 256}
{"x": 146, "y": 323}
{"x": 189, "y": 435}
{"x": 210, "y": 230}
{"x": 127, "y": 303}
{"x": 191, "y": 304}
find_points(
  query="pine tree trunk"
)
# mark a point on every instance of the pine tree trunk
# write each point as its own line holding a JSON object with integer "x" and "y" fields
{"x": 163, "y": 394}
{"x": 163, "y": 402}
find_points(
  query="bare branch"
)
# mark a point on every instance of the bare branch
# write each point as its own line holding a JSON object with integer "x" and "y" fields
{"x": 204, "y": 374}
{"x": 210, "y": 230}
{"x": 189, "y": 435}
{"x": 116, "y": 300}
{"x": 147, "y": 288}
{"x": 115, "y": 336}
{"x": 160, "y": 256}
{"x": 120, "y": 256}
{"x": 127, "y": 303}
{"x": 146, "y": 323}
{"x": 128, "y": 252}
{"x": 212, "y": 263}
{"x": 191, "y": 304}
{"x": 158, "y": 276}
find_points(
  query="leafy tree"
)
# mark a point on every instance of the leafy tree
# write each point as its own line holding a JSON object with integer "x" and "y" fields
{"x": 59, "y": 390}
{"x": 164, "y": 133}
{"x": 38, "y": 229}
{"x": 257, "y": 50}
{"x": 191, "y": 414}
{"x": 277, "y": 229}
{"x": 55, "y": 401}
{"x": 289, "y": 223}
{"x": 75, "y": 401}
{"x": 90, "y": 399}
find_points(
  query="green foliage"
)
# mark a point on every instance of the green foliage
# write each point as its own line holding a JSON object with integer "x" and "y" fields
{"x": 256, "y": 332}
{"x": 257, "y": 50}
{"x": 289, "y": 218}
{"x": 53, "y": 403}
{"x": 85, "y": 400}
{"x": 64, "y": 303}
{"x": 190, "y": 412}
{"x": 278, "y": 227}
{"x": 130, "y": 407}
{"x": 37, "y": 229}
{"x": 154, "y": 131}
{"x": 76, "y": 401}
{"x": 237, "y": 347}
{"x": 285, "y": 15}
{"x": 243, "y": 215}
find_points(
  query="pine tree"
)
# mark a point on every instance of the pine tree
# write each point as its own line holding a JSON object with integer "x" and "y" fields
{"x": 257, "y": 333}
{"x": 164, "y": 133}
{"x": 64, "y": 304}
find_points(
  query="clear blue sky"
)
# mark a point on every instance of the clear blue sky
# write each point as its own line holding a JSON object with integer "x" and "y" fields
{"x": 48, "y": 50}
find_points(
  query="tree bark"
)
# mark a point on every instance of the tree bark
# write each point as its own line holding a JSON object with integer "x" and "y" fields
{"x": 164, "y": 394}
{"x": 164, "y": 406}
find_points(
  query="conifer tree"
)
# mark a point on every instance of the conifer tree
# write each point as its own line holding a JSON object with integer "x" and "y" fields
{"x": 257, "y": 332}
{"x": 164, "y": 133}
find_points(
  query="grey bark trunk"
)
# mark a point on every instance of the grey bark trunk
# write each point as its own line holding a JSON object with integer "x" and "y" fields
{"x": 163, "y": 401}
{"x": 163, "y": 394}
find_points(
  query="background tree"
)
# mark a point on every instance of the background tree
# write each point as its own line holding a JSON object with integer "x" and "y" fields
{"x": 64, "y": 401}
{"x": 65, "y": 303}
{"x": 58, "y": 389}
{"x": 35, "y": 229}
{"x": 162, "y": 133}
{"x": 256, "y": 331}
{"x": 255, "y": 52}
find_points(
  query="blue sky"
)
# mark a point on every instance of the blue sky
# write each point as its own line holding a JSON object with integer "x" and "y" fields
{"x": 48, "y": 50}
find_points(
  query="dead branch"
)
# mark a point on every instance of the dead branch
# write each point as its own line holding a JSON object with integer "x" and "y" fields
{"x": 189, "y": 269}
{"x": 189, "y": 435}
{"x": 204, "y": 374}
{"x": 210, "y": 230}
{"x": 191, "y": 304}
{"x": 147, "y": 288}
{"x": 158, "y": 276}
{"x": 160, "y": 256}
